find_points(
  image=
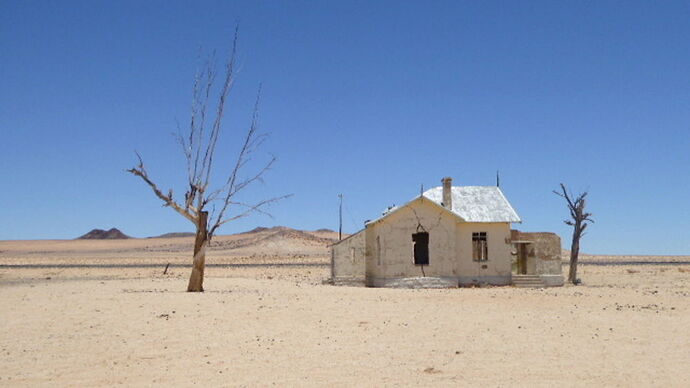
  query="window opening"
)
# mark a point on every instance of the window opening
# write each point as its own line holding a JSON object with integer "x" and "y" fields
{"x": 480, "y": 248}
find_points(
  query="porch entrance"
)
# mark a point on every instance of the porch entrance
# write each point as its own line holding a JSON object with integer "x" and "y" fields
{"x": 521, "y": 257}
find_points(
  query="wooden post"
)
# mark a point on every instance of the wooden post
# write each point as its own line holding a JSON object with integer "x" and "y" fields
{"x": 196, "y": 279}
{"x": 340, "y": 218}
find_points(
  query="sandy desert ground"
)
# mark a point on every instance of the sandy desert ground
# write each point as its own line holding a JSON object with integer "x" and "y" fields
{"x": 102, "y": 313}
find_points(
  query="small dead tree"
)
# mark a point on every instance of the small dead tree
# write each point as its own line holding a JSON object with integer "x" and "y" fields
{"x": 198, "y": 147}
{"x": 578, "y": 220}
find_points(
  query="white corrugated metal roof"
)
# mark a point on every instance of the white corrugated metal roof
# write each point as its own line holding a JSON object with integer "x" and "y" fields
{"x": 477, "y": 203}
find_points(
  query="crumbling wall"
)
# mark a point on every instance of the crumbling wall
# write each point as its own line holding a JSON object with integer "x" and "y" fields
{"x": 545, "y": 250}
{"x": 348, "y": 259}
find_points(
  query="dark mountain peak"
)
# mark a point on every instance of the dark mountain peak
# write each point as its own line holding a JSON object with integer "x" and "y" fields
{"x": 100, "y": 234}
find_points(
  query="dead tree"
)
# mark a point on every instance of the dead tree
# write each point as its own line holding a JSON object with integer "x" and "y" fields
{"x": 578, "y": 220}
{"x": 199, "y": 146}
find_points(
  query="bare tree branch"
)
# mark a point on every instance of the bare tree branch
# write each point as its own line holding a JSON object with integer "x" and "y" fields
{"x": 231, "y": 188}
{"x": 168, "y": 200}
{"x": 256, "y": 208}
{"x": 215, "y": 129}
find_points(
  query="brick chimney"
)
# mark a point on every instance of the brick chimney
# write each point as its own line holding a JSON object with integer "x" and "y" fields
{"x": 447, "y": 192}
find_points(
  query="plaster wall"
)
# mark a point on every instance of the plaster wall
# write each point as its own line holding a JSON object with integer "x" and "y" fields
{"x": 495, "y": 270}
{"x": 390, "y": 250}
{"x": 347, "y": 259}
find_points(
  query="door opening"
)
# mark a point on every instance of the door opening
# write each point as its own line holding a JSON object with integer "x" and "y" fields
{"x": 521, "y": 250}
{"x": 421, "y": 248}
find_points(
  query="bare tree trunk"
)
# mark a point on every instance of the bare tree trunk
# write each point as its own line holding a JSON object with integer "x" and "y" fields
{"x": 574, "y": 253}
{"x": 196, "y": 279}
{"x": 579, "y": 218}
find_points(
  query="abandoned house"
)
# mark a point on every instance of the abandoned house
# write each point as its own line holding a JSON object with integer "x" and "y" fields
{"x": 448, "y": 236}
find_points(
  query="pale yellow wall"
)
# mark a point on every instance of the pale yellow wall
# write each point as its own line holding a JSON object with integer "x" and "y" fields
{"x": 347, "y": 259}
{"x": 390, "y": 250}
{"x": 395, "y": 257}
{"x": 499, "y": 257}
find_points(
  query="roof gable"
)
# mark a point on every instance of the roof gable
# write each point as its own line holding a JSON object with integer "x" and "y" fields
{"x": 418, "y": 198}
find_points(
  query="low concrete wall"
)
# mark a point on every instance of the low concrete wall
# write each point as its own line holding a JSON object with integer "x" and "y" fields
{"x": 348, "y": 259}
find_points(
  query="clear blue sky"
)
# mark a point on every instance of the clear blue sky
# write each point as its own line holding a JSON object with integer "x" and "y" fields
{"x": 368, "y": 99}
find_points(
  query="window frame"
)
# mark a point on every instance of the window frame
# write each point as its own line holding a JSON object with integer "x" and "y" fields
{"x": 480, "y": 246}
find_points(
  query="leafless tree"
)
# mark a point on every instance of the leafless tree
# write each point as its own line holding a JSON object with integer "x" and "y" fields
{"x": 578, "y": 220}
{"x": 199, "y": 146}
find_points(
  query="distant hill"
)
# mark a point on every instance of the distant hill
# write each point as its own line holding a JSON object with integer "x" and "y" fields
{"x": 279, "y": 232}
{"x": 260, "y": 229}
{"x": 175, "y": 235}
{"x": 278, "y": 238}
{"x": 100, "y": 234}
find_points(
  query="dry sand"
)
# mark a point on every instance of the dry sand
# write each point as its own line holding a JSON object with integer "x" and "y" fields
{"x": 101, "y": 313}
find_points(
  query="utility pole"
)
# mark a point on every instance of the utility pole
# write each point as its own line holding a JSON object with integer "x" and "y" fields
{"x": 340, "y": 218}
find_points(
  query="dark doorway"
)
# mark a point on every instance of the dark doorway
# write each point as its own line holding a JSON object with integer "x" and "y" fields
{"x": 521, "y": 258}
{"x": 421, "y": 248}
